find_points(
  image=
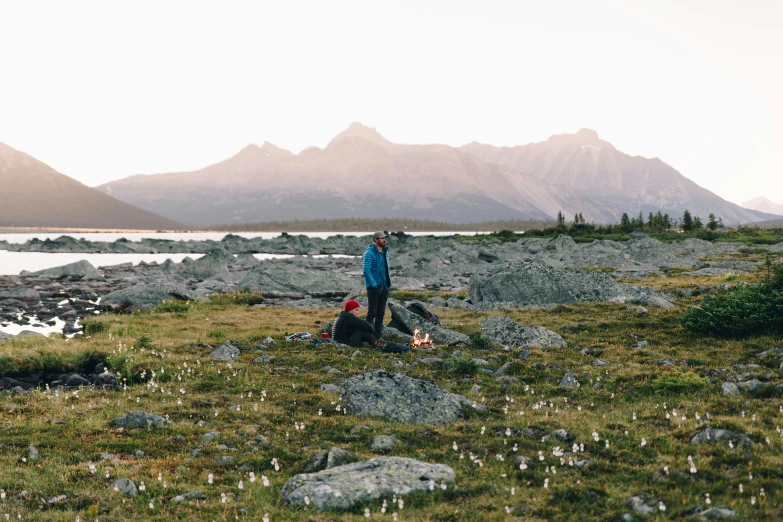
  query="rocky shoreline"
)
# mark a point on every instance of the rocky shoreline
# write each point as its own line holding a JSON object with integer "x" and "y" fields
{"x": 488, "y": 269}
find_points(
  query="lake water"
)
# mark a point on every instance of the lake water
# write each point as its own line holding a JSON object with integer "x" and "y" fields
{"x": 12, "y": 263}
{"x": 184, "y": 236}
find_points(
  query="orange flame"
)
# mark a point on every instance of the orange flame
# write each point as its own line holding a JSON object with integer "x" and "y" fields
{"x": 418, "y": 340}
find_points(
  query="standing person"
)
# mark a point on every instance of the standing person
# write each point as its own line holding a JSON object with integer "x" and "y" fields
{"x": 377, "y": 280}
{"x": 349, "y": 329}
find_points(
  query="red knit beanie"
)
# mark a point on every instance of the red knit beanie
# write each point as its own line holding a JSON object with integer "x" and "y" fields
{"x": 351, "y": 305}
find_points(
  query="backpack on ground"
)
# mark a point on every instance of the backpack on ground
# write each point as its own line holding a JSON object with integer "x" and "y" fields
{"x": 418, "y": 309}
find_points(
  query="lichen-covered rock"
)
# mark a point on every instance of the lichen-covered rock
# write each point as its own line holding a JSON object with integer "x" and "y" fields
{"x": 346, "y": 487}
{"x": 534, "y": 283}
{"x": 145, "y": 297}
{"x": 340, "y": 457}
{"x": 290, "y": 276}
{"x": 539, "y": 284}
{"x": 138, "y": 418}
{"x": 214, "y": 265}
{"x": 502, "y": 330}
{"x": 226, "y": 352}
{"x": 717, "y": 434}
{"x": 400, "y": 398}
{"x": 82, "y": 269}
{"x": 125, "y": 486}
{"x": 412, "y": 322}
{"x": 383, "y": 443}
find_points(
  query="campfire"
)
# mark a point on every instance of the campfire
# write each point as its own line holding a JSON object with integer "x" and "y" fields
{"x": 419, "y": 341}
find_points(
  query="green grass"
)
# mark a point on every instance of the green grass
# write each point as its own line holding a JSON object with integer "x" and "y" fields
{"x": 71, "y": 431}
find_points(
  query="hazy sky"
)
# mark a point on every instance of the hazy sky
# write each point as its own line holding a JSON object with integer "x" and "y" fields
{"x": 105, "y": 89}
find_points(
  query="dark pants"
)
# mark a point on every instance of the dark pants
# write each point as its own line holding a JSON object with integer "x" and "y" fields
{"x": 376, "y": 308}
{"x": 360, "y": 336}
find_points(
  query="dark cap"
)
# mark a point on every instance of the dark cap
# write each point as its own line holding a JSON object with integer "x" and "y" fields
{"x": 379, "y": 235}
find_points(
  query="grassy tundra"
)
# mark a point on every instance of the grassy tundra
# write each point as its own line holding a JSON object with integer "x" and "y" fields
{"x": 631, "y": 420}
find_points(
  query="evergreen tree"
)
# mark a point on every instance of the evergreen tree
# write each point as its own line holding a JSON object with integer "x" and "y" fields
{"x": 576, "y": 219}
{"x": 712, "y": 224}
{"x": 581, "y": 218}
{"x": 560, "y": 220}
{"x": 625, "y": 223}
{"x": 687, "y": 221}
{"x": 697, "y": 223}
{"x": 650, "y": 221}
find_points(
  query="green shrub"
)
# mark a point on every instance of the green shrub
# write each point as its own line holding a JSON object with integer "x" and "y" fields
{"x": 92, "y": 327}
{"x": 464, "y": 367}
{"x": 239, "y": 298}
{"x": 744, "y": 311}
{"x": 479, "y": 343}
{"x": 177, "y": 307}
{"x": 678, "y": 382}
{"x": 145, "y": 342}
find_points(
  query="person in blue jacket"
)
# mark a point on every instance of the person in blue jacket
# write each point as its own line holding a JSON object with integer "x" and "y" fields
{"x": 377, "y": 280}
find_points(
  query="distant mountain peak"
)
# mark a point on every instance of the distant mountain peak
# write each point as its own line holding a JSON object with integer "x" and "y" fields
{"x": 266, "y": 150}
{"x": 358, "y": 130}
{"x": 584, "y": 137}
{"x": 763, "y": 204}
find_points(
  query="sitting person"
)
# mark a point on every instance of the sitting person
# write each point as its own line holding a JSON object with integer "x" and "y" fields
{"x": 349, "y": 329}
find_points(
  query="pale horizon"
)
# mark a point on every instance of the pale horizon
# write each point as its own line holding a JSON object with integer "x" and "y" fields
{"x": 101, "y": 91}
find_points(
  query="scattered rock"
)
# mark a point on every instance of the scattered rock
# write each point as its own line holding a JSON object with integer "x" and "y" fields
{"x": 715, "y": 513}
{"x": 331, "y": 388}
{"x": 717, "y": 434}
{"x": 729, "y": 388}
{"x": 637, "y": 504}
{"x": 600, "y": 362}
{"x": 125, "y": 486}
{"x": 382, "y": 443}
{"x": 569, "y": 381}
{"x": 224, "y": 459}
{"x": 145, "y": 297}
{"x": 344, "y": 487}
{"x": 32, "y": 453}
{"x": 226, "y": 352}
{"x": 400, "y": 398}
{"x": 264, "y": 359}
{"x": 190, "y": 495}
{"x": 340, "y": 457}
{"x": 502, "y": 330}
{"x": 138, "y": 418}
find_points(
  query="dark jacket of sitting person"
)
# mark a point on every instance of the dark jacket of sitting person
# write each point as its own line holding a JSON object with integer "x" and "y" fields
{"x": 351, "y": 330}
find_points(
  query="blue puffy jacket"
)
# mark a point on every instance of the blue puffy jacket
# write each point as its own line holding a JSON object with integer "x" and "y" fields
{"x": 372, "y": 262}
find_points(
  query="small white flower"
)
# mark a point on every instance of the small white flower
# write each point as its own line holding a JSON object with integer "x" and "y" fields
{"x": 661, "y": 506}
{"x": 210, "y": 478}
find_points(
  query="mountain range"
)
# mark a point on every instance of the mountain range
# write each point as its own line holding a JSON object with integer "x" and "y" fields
{"x": 34, "y": 194}
{"x": 762, "y": 204}
{"x": 360, "y": 173}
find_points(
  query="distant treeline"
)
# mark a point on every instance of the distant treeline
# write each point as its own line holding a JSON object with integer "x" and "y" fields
{"x": 388, "y": 224}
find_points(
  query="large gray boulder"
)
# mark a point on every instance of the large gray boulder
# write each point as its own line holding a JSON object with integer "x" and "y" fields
{"x": 411, "y": 322}
{"x": 20, "y": 294}
{"x": 82, "y": 269}
{"x": 138, "y": 418}
{"x": 346, "y": 487}
{"x": 538, "y": 284}
{"x": 400, "y": 398}
{"x": 213, "y": 265}
{"x": 145, "y": 297}
{"x": 289, "y": 276}
{"x": 720, "y": 435}
{"x": 5, "y": 337}
{"x": 502, "y": 330}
